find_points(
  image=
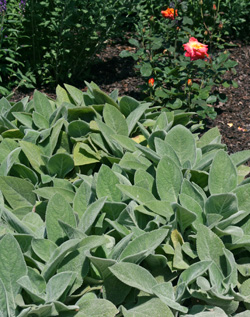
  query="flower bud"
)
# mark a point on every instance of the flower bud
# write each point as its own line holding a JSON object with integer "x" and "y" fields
{"x": 206, "y": 33}
{"x": 151, "y": 82}
{"x": 201, "y": 2}
{"x": 220, "y": 26}
{"x": 214, "y": 7}
{"x": 189, "y": 82}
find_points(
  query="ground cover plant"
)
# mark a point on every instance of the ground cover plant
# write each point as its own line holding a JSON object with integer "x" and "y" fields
{"x": 168, "y": 233}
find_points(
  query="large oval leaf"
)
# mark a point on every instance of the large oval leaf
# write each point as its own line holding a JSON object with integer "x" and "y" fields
{"x": 134, "y": 276}
{"x": 223, "y": 174}
{"x": 115, "y": 120}
{"x": 168, "y": 179}
{"x": 106, "y": 184}
{"x": 12, "y": 268}
{"x": 17, "y": 191}
{"x": 58, "y": 208}
{"x": 182, "y": 141}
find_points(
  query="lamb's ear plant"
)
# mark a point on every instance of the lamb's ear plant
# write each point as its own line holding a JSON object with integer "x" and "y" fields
{"x": 110, "y": 207}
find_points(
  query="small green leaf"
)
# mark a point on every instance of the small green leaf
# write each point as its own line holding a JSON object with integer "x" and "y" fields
{"x": 60, "y": 165}
{"x": 137, "y": 193}
{"x": 96, "y": 308}
{"x": 77, "y": 262}
{"x": 82, "y": 199}
{"x": 152, "y": 307}
{"x": 165, "y": 292}
{"x": 185, "y": 217}
{"x": 78, "y": 128}
{"x": 146, "y": 243}
{"x": 209, "y": 137}
{"x": 33, "y": 154}
{"x": 40, "y": 121}
{"x": 84, "y": 155}
{"x": 127, "y": 105}
{"x": 243, "y": 195}
{"x": 76, "y": 94}
{"x": 43, "y": 248}
{"x": 222, "y": 204}
{"x": 57, "y": 285}
{"x": 190, "y": 275}
{"x": 103, "y": 98}
{"x": 91, "y": 213}
{"x": 61, "y": 95}
{"x": 133, "y": 118}
{"x": 42, "y": 105}
{"x": 58, "y": 255}
{"x": 146, "y": 70}
{"x": 4, "y": 305}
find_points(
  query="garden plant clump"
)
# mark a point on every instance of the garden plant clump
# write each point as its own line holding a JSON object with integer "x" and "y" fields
{"x": 109, "y": 206}
{"x": 113, "y": 206}
{"x": 160, "y": 42}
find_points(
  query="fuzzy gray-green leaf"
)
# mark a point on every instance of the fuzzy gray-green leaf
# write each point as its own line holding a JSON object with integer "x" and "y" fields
{"x": 223, "y": 174}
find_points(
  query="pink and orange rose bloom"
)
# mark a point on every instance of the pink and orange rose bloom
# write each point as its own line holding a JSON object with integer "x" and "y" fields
{"x": 195, "y": 50}
{"x": 170, "y": 13}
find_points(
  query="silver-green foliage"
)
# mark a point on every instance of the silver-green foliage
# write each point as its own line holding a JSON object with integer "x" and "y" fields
{"x": 109, "y": 206}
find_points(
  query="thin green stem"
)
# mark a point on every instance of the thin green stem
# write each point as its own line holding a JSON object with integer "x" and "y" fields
{"x": 2, "y": 23}
{"x": 33, "y": 32}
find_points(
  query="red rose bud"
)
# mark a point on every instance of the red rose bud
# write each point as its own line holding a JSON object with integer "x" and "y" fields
{"x": 214, "y": 7}
{"x": 170, "y": 13}
{"x": 151, "y": 82}
{"x": 220, "y": 26}
{"x": 190, "y": 82}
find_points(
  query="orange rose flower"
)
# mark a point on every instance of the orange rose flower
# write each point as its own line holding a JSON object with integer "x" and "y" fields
{"x": 195, "y": 50}
{"x": 151, "y": 82}
{"x": 169, "y": 13}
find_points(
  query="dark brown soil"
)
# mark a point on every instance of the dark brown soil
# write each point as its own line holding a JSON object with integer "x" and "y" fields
{"x": 233, "y": 119}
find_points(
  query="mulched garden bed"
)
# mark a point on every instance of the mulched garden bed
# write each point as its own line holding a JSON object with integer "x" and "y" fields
{"x": 233, "y": 119}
